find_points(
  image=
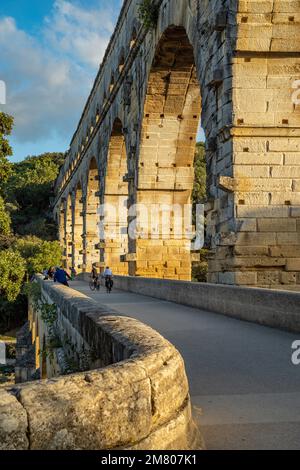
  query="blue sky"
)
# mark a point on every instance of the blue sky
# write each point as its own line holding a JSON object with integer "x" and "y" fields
{"x": 50, "y": 53}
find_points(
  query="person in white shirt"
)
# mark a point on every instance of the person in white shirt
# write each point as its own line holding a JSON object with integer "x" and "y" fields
{"x": 108, "y": 275}
{"x": 107, "y": 272}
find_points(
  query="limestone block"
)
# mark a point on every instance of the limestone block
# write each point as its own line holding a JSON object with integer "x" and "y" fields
{"x": 295, "y": 212}
{"x": 286, "y": 172}
{"x": 251, "y": 158}
{"x": 286, "y": 238}
{"x": 293, "y": 264}
{"x": 242, "y": 278}
{"x": 262, "y": 211}
{"x": 256, "y": 239}
{"x": 276, "y": 225}
{"x": 268, "y": 278}
{"x": 253, "y": 251}
{"x": 285, "y": 251}
{"x": 251, "y": 171}
{"x": 288, "y": 278}
{"x": 292, "y": 159}
{"x": 258, "y": 6}
{"x": 284, "y": 145}
{"x": 253, "y": 198}
{"x": 246, "y": 225}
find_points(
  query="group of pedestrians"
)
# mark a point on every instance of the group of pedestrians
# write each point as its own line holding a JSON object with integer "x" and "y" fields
{"x": 60, "y": 275}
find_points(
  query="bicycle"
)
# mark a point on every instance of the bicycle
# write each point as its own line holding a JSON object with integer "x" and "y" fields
{"x": 94, "y": 284}
{"x": 109, "y": 284}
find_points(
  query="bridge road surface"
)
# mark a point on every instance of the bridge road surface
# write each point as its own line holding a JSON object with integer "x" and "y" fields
{"x": 245, "y": 390}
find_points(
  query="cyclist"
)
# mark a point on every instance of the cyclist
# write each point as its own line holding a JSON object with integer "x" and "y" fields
{"x": 95, "y": 278}
{"x": 108, "y": 275}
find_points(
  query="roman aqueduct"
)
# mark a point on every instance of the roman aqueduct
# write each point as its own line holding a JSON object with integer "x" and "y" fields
{"x": 231, "y": 65}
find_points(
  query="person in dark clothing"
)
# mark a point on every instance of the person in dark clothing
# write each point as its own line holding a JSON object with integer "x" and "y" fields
{"x": 61, "y": 276}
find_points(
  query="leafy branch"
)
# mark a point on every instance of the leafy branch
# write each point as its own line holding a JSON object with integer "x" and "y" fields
{"x": 148, "y": 13}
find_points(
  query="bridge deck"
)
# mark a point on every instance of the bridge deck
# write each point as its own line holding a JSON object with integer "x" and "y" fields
{"x": 245, "y": 389}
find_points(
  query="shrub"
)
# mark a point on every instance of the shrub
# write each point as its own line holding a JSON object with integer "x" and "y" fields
{"x": 148, "y": 13}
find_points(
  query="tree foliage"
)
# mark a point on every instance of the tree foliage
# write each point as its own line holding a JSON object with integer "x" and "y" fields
{"x": 28, "y": 190}
{"x": 38, "y": 254}
{"x": 27, "y": 231}
{"x": 6, "y": 125}
{"x": 199, "y": 191}
{"x": 199, "y": 269}
{"x": 148, "y": 13}
{"x": 12, "y": 272}
{"x": 4, "y": 219}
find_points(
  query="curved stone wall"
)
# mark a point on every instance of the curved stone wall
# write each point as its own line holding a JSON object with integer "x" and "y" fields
{"x": 140, "y": 400}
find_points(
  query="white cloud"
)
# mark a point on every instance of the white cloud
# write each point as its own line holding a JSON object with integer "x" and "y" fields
{"x": 80, "y": 32}
{"x": 48, "y": 78}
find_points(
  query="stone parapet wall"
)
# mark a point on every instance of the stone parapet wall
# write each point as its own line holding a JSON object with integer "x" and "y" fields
{"x": 139, "y": 399}
{"x": 278, "y": 309}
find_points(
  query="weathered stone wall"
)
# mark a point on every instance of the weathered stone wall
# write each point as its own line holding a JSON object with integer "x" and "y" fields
{"x": 139, "y": 399}
{"x": 267, "y": 307}
{"x": 277, "y": 309}
{"x": 234, "y": 63}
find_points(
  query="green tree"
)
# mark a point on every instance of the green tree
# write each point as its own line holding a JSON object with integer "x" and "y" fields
{"x": 6, "y": 125}
{"x": 12, "y": 272}
{"x": 148, "y": 12}
{"x": 28, "y": 190}
{"x": 199, "y": 191}
{"x": 38, "y": 254}
{"x": 4, "y": 219}
{"x": 199, "y": 269}
{"x": 25, "y": 211}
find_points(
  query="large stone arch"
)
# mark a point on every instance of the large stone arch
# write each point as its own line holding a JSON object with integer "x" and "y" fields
{"x": 68, "y": 231}
{"x": 62, "y": 229}
{"x": 115, "y": 218}
{"x": 77, "y": 232}
{"x": 91, "y": 204}
{"x": 166, "y": 155}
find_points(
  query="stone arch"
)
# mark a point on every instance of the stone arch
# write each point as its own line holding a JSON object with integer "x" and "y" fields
{"x": 62, "y": 226}
{"x": 116, "y": 201}
{"x": 165, "y": 169}
{"x": 77, "y": 232}
{"x": 68, "y": 232}
{"x": 91, "y": 253}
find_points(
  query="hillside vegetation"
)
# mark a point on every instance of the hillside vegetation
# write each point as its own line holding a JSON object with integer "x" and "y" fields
{"x": 27, "y": 233}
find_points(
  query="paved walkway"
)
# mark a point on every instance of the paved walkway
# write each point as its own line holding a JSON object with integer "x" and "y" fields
{"x": 245, "y": 389}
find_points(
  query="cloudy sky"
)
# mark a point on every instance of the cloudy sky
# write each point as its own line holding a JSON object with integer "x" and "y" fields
{"x": 50, "y": 51}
